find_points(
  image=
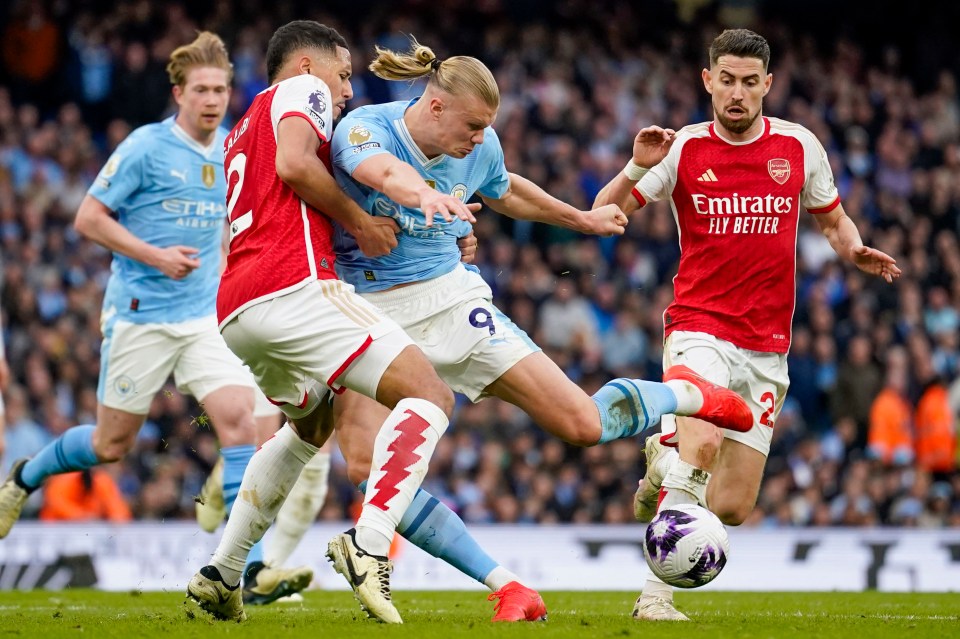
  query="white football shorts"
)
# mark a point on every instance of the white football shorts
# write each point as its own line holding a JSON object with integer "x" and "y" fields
{"x": 262, "y": 407}
{"x": 137, "y": 359}
{"x": 319, "y": 338}
{"x": 760, "y": 378}
{"x": 452, "y": 318}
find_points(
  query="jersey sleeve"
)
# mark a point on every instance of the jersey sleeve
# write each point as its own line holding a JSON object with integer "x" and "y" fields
{"x": 819, "y": 193}
{"x": 659, "y": 181}
{"x": 304, "y": 96}
{"x": 123, "y": 174}
{"x": 358, "y": 138}
{"x": 497, "y": 177}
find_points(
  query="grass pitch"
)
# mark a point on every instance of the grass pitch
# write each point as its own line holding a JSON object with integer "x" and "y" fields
{"x": 450, "y": 615}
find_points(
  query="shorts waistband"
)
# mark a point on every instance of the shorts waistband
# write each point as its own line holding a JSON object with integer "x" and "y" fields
{"x": 413, "y": 292}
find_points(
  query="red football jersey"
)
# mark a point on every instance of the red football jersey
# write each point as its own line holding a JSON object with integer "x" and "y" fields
{"x": 737, "y": 205}
{"x": 278, "y": 242}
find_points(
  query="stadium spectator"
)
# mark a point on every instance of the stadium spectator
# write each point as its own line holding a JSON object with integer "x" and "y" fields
{"x": 88, "y": 495}
{"x": 31, "y": 52}
{"x": 934, "y": 426}
{"x": 890, "y": 434}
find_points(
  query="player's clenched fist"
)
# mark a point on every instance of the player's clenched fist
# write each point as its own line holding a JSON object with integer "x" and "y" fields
{"x": 378, "y": 236}
{"x": 605, "y": 221}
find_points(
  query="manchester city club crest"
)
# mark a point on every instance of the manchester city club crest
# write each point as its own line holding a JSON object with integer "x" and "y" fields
{"x": 209, "y": 175}
{"x": 124, "y": 386}
{"x": 459, "y": 192}
{"x": 779, "y": 170}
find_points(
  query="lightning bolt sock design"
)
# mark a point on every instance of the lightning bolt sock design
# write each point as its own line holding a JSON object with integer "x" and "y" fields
{"x": 401, "y": 456}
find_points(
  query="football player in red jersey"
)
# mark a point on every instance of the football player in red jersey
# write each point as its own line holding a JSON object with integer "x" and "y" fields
{"x": 305, "y": 334}
{"x": 737, "y": 186}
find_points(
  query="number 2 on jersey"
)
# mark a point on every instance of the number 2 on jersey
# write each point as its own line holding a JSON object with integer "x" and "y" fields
{"x": 238, "y": 165}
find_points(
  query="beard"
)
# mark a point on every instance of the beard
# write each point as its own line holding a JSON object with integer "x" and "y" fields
{"x": 735, "y": 126}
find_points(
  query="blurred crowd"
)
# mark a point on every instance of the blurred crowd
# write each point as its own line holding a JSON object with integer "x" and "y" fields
{"x": 867, "y": 434}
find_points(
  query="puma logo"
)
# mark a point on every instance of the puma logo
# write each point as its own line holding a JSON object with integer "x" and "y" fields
{"x": 179, "y": 174}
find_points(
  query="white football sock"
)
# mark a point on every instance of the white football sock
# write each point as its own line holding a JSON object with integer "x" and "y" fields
{"x": 299, "y": 511}
{"x": 401, "y": 455}
{"x": 657, "y": 588}
{"x": 689, "y": 397}
{"x": 684, "y": 483}
{"x": 498, "y": 578}
{"x": 270, "y": 475}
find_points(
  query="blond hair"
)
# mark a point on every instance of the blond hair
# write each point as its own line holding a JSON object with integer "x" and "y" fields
{"x": 459, "y": 75}
{"x": 207, "y": 50}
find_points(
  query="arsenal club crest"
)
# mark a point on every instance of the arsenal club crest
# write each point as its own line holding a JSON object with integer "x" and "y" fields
{"x": 779, "y": 170}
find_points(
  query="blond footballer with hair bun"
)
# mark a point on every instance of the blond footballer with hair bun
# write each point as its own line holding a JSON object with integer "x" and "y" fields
{"x": 459, "y": 75}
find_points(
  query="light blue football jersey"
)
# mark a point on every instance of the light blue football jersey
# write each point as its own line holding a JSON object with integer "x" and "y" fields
{"x": 167, "y": 190}
{"x": 422, "y": 253}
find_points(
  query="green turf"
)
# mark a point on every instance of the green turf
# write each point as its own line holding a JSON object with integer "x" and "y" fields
{"x": 448, "y": 615}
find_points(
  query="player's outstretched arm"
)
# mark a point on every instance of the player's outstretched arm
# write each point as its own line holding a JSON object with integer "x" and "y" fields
{"x": 524, "y": 200}
{"x": 844, "y": 237}
{"x": 95, "y": 222}
{"x": 300, "y": 168}
{"x": 650, "y": 146}
{"x": 402, "y": 183}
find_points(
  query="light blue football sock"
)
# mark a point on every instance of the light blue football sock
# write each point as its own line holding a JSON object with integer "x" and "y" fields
{"x": 433, "y": 527}
{"x": 235, "y": 460}
{"x": 627, "y": 406}
{"x": 73, "y": 450}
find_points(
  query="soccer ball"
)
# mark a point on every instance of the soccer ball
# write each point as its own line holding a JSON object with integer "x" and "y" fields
{"x": 686, "y": 546}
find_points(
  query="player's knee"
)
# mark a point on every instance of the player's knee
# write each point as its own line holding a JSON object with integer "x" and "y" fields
{"x": 236, "y": 426}
{"x": 112, "y": 450}
{"x": 439, "y": 394}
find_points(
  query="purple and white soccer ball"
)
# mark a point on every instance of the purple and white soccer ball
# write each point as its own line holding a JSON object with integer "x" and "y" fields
{"x": 686, "y": 546}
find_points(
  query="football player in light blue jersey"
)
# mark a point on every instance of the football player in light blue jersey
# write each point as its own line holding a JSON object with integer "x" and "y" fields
{"x": 166, "y": 188}
{"x": 425, "y": 249}
{"x": 391, "y": 157}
